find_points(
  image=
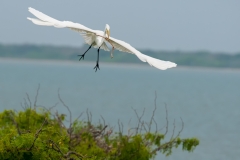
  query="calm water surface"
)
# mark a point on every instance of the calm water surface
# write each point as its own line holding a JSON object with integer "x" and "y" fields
{"x": 208, "y": 100}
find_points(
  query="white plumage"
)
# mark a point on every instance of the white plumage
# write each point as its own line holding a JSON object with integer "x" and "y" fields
{"x": 98, "y": 39}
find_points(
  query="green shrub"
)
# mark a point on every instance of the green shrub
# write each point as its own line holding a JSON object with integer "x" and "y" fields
{"x": 39, "y": 134}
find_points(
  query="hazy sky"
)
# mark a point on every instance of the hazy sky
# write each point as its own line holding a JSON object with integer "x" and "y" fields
{"x": 187, "y": 25}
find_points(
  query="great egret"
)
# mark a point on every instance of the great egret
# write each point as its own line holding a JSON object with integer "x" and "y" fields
{"x": 98, "y": 39}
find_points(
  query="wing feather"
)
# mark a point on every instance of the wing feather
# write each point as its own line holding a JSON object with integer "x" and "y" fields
{"x": 87, "y": 33}
{"x": 105, "y": 47}
{"x": 119, "y": 45}
{"x": 125, "y": 47}
{"x": 45, "y": 20}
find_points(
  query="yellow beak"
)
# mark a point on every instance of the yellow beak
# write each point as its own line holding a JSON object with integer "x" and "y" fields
{"x": 108, "y": 33}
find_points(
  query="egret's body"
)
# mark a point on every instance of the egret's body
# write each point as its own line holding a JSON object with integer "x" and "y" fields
{"x": 98, "y": 39}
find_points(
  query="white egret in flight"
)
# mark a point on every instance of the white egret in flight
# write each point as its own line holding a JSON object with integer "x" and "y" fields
{"x": 98, "y": 39}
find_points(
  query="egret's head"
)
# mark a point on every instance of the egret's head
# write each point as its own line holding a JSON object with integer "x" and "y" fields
{"x": 107, "y": 31}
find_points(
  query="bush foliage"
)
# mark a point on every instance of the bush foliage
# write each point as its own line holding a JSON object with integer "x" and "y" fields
{"x": 38, "y": 133}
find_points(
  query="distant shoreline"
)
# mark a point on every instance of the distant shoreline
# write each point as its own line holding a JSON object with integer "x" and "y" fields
{"x": 199, "y": 59}
{"x": 112, "y": 64}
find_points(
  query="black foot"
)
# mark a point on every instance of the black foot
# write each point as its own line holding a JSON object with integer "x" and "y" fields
{"x": 82, "y": 57}
{"x": 96, "y": 67}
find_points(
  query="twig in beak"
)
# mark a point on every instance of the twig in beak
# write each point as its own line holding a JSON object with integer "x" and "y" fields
{"x": 112, "y": 52}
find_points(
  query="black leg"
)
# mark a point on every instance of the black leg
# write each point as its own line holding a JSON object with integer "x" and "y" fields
{"x": 97, "y": 65}
{"x": 82, "y": 56}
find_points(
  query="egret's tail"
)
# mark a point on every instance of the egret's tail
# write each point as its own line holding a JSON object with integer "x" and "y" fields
{"x": 44, "y": 19}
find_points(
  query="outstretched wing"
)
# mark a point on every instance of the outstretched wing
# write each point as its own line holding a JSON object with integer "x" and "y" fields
{"x": 125, "y": 47}
{"x": 89, "y": 35}
{"x": 45, "y": 20}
